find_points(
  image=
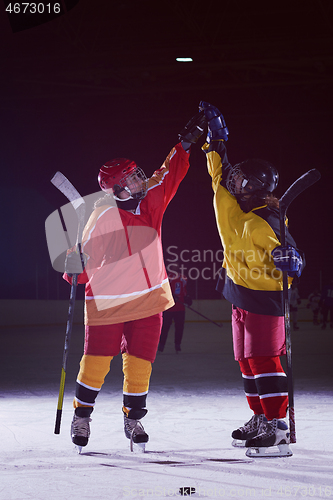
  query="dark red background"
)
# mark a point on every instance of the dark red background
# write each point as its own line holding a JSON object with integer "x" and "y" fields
{"x": 102, "y": 81}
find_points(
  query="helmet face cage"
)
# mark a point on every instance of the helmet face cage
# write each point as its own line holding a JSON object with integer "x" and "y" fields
{"x": 122, "y": 174}
{"x": 135, "y": 184}
{"x": 236, "y": 181}
{"x": 258, "y": 177}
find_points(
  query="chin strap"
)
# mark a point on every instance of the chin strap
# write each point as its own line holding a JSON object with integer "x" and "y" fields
{"x": 127, "y": 204}
{"x": 120, "y": 190}
{"x": 255, "y": 200}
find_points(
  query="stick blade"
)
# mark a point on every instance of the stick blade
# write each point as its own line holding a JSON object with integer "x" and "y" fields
{"x": 66, "y": 187}
{"x": 302, "y": 183}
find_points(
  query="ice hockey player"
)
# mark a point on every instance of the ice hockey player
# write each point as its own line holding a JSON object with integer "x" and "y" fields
{"x": 295, "y": 301}
{"x": 314, "y": 304}
{"x": 126, "y": 284}
{"x": 176, "y": 314}
{"x": 248, "y": 223}
{"x": 326, "y": 303}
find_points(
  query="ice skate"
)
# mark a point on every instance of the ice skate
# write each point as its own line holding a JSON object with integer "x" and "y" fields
{"x": 272, "y": 440}
{"x": 135, "y": 432}
{"x": 80, "y": 428}
{"x": 249, "y": 430}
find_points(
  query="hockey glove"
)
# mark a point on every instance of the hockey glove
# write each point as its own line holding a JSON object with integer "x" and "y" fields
{"x": 193, "y": 130}
{"x": 74, "y": 262}
{"x": 288, "y": 259}
{"x": 217, "y": 128}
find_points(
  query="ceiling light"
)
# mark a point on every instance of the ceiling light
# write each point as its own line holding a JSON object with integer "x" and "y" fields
{"x": 184, "y": 59}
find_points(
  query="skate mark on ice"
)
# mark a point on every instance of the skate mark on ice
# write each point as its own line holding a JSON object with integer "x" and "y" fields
{"x": 165, "y": 462}
{"x": 132, "y": 458}
{"x": 12, "y": 432}
{"x": 179, "y": 459}
{"x": 95, "y": 454}
{"x": 230, "y": 460}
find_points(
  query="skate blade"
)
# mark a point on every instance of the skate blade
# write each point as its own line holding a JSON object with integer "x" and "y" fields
{"x": 238, "y": 443}
{"x": 78, "y": 449}
{"x": 280, "y": 450}
{"x": 137, "y": 447}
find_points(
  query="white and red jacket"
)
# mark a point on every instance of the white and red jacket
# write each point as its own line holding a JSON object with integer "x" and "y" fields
{"x": 125, "y": 275}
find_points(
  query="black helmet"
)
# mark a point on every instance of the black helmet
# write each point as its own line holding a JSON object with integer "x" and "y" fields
{"x": 252, "y": 177}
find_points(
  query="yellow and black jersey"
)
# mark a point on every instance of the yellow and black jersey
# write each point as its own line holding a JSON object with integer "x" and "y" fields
{"x": 252, "y": 281}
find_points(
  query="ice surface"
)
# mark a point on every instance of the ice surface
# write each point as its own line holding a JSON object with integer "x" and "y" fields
{"x": 195, "y": 401}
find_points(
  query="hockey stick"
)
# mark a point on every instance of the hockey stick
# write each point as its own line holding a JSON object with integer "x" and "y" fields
{"x": 197, "y": 312}
{"x": 63, "y": 184}
{"x": 302, "y": 183}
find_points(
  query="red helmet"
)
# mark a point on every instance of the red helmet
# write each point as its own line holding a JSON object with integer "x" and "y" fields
{"x": 120, "y": 174}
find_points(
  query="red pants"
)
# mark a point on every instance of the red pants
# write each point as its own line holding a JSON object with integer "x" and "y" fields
{"x": 265, "y": 385}
{"x": 139, "y": 338}
{"x": 257, "y": 334}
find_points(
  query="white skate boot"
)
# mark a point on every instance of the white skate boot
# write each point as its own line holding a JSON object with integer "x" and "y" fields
{"x": 272, "y": 440}
{"x": 135, "y": 432}
{"x": 247, "y": 431}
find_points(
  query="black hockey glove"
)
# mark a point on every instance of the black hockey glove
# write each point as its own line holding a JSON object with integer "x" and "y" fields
{"x": 217, "y": 128}
{"x": 193, "y": 130}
